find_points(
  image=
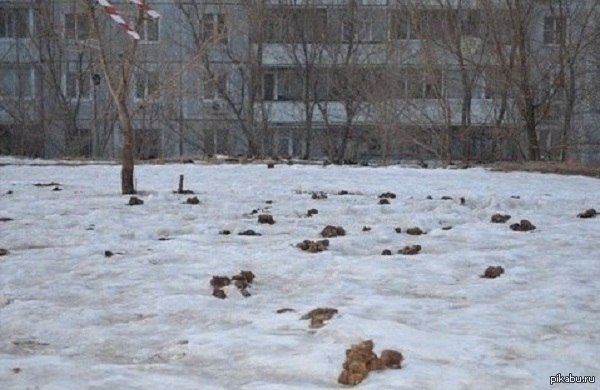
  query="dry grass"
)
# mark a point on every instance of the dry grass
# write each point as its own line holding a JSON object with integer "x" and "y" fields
{"x": 549, "y": 167}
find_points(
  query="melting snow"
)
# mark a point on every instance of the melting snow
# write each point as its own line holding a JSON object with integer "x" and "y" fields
{"x": 72, "y": 318}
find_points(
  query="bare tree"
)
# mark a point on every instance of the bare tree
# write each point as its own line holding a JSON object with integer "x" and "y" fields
{"x": 117, "y": 57}
{"x": 18, "y": 90}
{"x": 572, "y": 26}
{"x": 229, "y": 53}
{"x": 355, "y": 55}
{"x": 301, "y": 30}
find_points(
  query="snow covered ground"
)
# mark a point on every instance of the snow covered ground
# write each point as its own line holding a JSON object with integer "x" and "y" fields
{"x": 71, "y": 318}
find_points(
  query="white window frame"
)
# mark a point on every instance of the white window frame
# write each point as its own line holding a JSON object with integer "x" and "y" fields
{"x": 78, "y": 89}
{"x": 214, "y": 18}
{"x": 558, "y": 29}
{"x": 409, "y": 32}
{"x": 14, "y": 72}
{"x": 76, "y": 22}
{"x": 144, "y": 31}
{"x": 362, "y": 26}
{"x": 148, "y": 93}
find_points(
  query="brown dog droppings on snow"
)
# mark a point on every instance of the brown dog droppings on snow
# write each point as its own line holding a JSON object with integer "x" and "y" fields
{"x": 249, "y": 232}
{"x": 318, "y": 316}
{"x": 410, "y": 250}
{"x": 589, "y": 213}
{"x": 332, "y": 231}
{"x": 218, "y": 293}
{"x": 391, "y": 358}
{"x": 135, "y": 201}
{"x": 493, "y": 272}
{"x": 318, "y": 195}
{"x": 524, "y": 226}
{"x": 414, "y": 231}
{"x": 285, "y": 310}
{"x": 193, "y": 200}
{"x": 360, "y": 360}
{"x": 500, "y": 218}
{"x": 387, "y": 195}
{"x": 266, "y": 218}
{"x": 313, "y": 246}
{"x": 220, "y": 281}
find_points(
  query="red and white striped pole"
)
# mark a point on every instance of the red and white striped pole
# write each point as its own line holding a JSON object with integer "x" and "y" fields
{"x": 143, "y": 6}
{"x": 114, "y": 14}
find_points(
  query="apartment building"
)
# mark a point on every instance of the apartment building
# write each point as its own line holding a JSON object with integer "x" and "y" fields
{"x": 343, "y": 80}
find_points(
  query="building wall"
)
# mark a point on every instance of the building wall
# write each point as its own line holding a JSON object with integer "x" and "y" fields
{"x": 229, "y": 77}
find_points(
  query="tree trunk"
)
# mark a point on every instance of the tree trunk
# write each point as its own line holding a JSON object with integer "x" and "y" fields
{"x": 127, "y": 157}
{"x": 466, "y": 130}
{"x": 569, "y": 108}
{"x": 127, "y": 161}
{"x": 533, "y": 147}
{"x": 346, "y": 135}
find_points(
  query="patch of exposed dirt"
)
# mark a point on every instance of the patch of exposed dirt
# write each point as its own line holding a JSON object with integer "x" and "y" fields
{"x": 569, "y": 168}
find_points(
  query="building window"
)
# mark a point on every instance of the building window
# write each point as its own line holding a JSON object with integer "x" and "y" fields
{"x": 282, "y": 85}
{"x": 471, "y": 24}
{"x": 14, "y": 22}
{"x": 277, "y": 26}
{"x": 360, "y": 31}
{"x": 290, "y": 25}
{"x": 77, "y": 85}
{"x": 433, "y": 85}
{"x": 17, "y": 82}
{"x": 554, "y": 30}
{"x": 214, "y": 28}
{"x": 309, "y": 25}
{"x": 268, "y": 87}
{"x": 146, "y": 85}
{"x": 214, "y": 87}
{"x": 403, "y": 25}
{"x": 415, "y": 83}
{"x": 77, "y": 27}
{"x": 150, "y": 30}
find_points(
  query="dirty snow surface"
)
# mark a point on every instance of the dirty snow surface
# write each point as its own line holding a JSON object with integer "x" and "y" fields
{"x": 145, "y": 318}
